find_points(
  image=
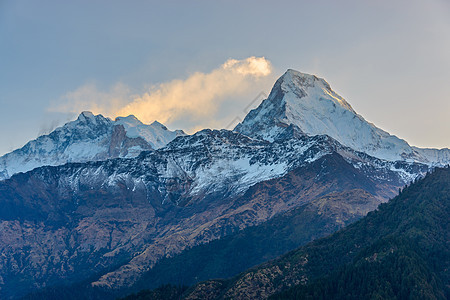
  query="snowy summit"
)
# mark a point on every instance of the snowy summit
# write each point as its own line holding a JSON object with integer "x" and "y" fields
{"x": 309, "y": 104}
{"x": 90, "y": 137}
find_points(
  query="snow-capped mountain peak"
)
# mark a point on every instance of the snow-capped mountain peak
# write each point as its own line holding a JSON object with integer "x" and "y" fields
{"x": 89, "y": 137}
{"x": 302, "y": 84}
{"x": 130, "y": 121}
{"x": 156, "y": 134}
{"x": 86, "y": 115}
{"x": 308, "y": 103}
{"x": 156, "y": 123}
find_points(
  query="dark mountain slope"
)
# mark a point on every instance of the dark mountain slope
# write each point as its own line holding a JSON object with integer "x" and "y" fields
{"x": 329, "y": 191}
{"x": 400, "y": 251}
{"x": 233, "y": 254}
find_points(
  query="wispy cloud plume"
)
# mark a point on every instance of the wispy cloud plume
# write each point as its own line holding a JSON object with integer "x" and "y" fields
{"x": 200, "y": 94}
{"x": 195, "y": 99}
{"x": 89, "y": 97}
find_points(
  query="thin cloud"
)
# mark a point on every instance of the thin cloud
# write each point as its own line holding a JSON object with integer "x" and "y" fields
{"x": 199, "y": 95}
{"x": 195, "y": 99}
{"x": 89, "y": 97}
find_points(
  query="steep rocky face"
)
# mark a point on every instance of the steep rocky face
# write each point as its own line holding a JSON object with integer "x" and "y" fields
{"x": 61, "y": 224}
{"x": 88, "y": 138}
{"x": 309, "y": 104}
{"x": 123, "y": 146}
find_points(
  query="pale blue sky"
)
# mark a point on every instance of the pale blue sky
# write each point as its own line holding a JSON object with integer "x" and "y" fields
{"x": 389, "y": 59}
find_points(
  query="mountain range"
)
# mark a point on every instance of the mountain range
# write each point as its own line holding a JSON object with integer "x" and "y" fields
{"x": 98, "y": 205}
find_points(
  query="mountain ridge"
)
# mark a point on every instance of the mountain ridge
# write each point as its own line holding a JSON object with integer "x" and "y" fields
{"x": 298, "y": 100}
{"x": 89, "y": 137}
